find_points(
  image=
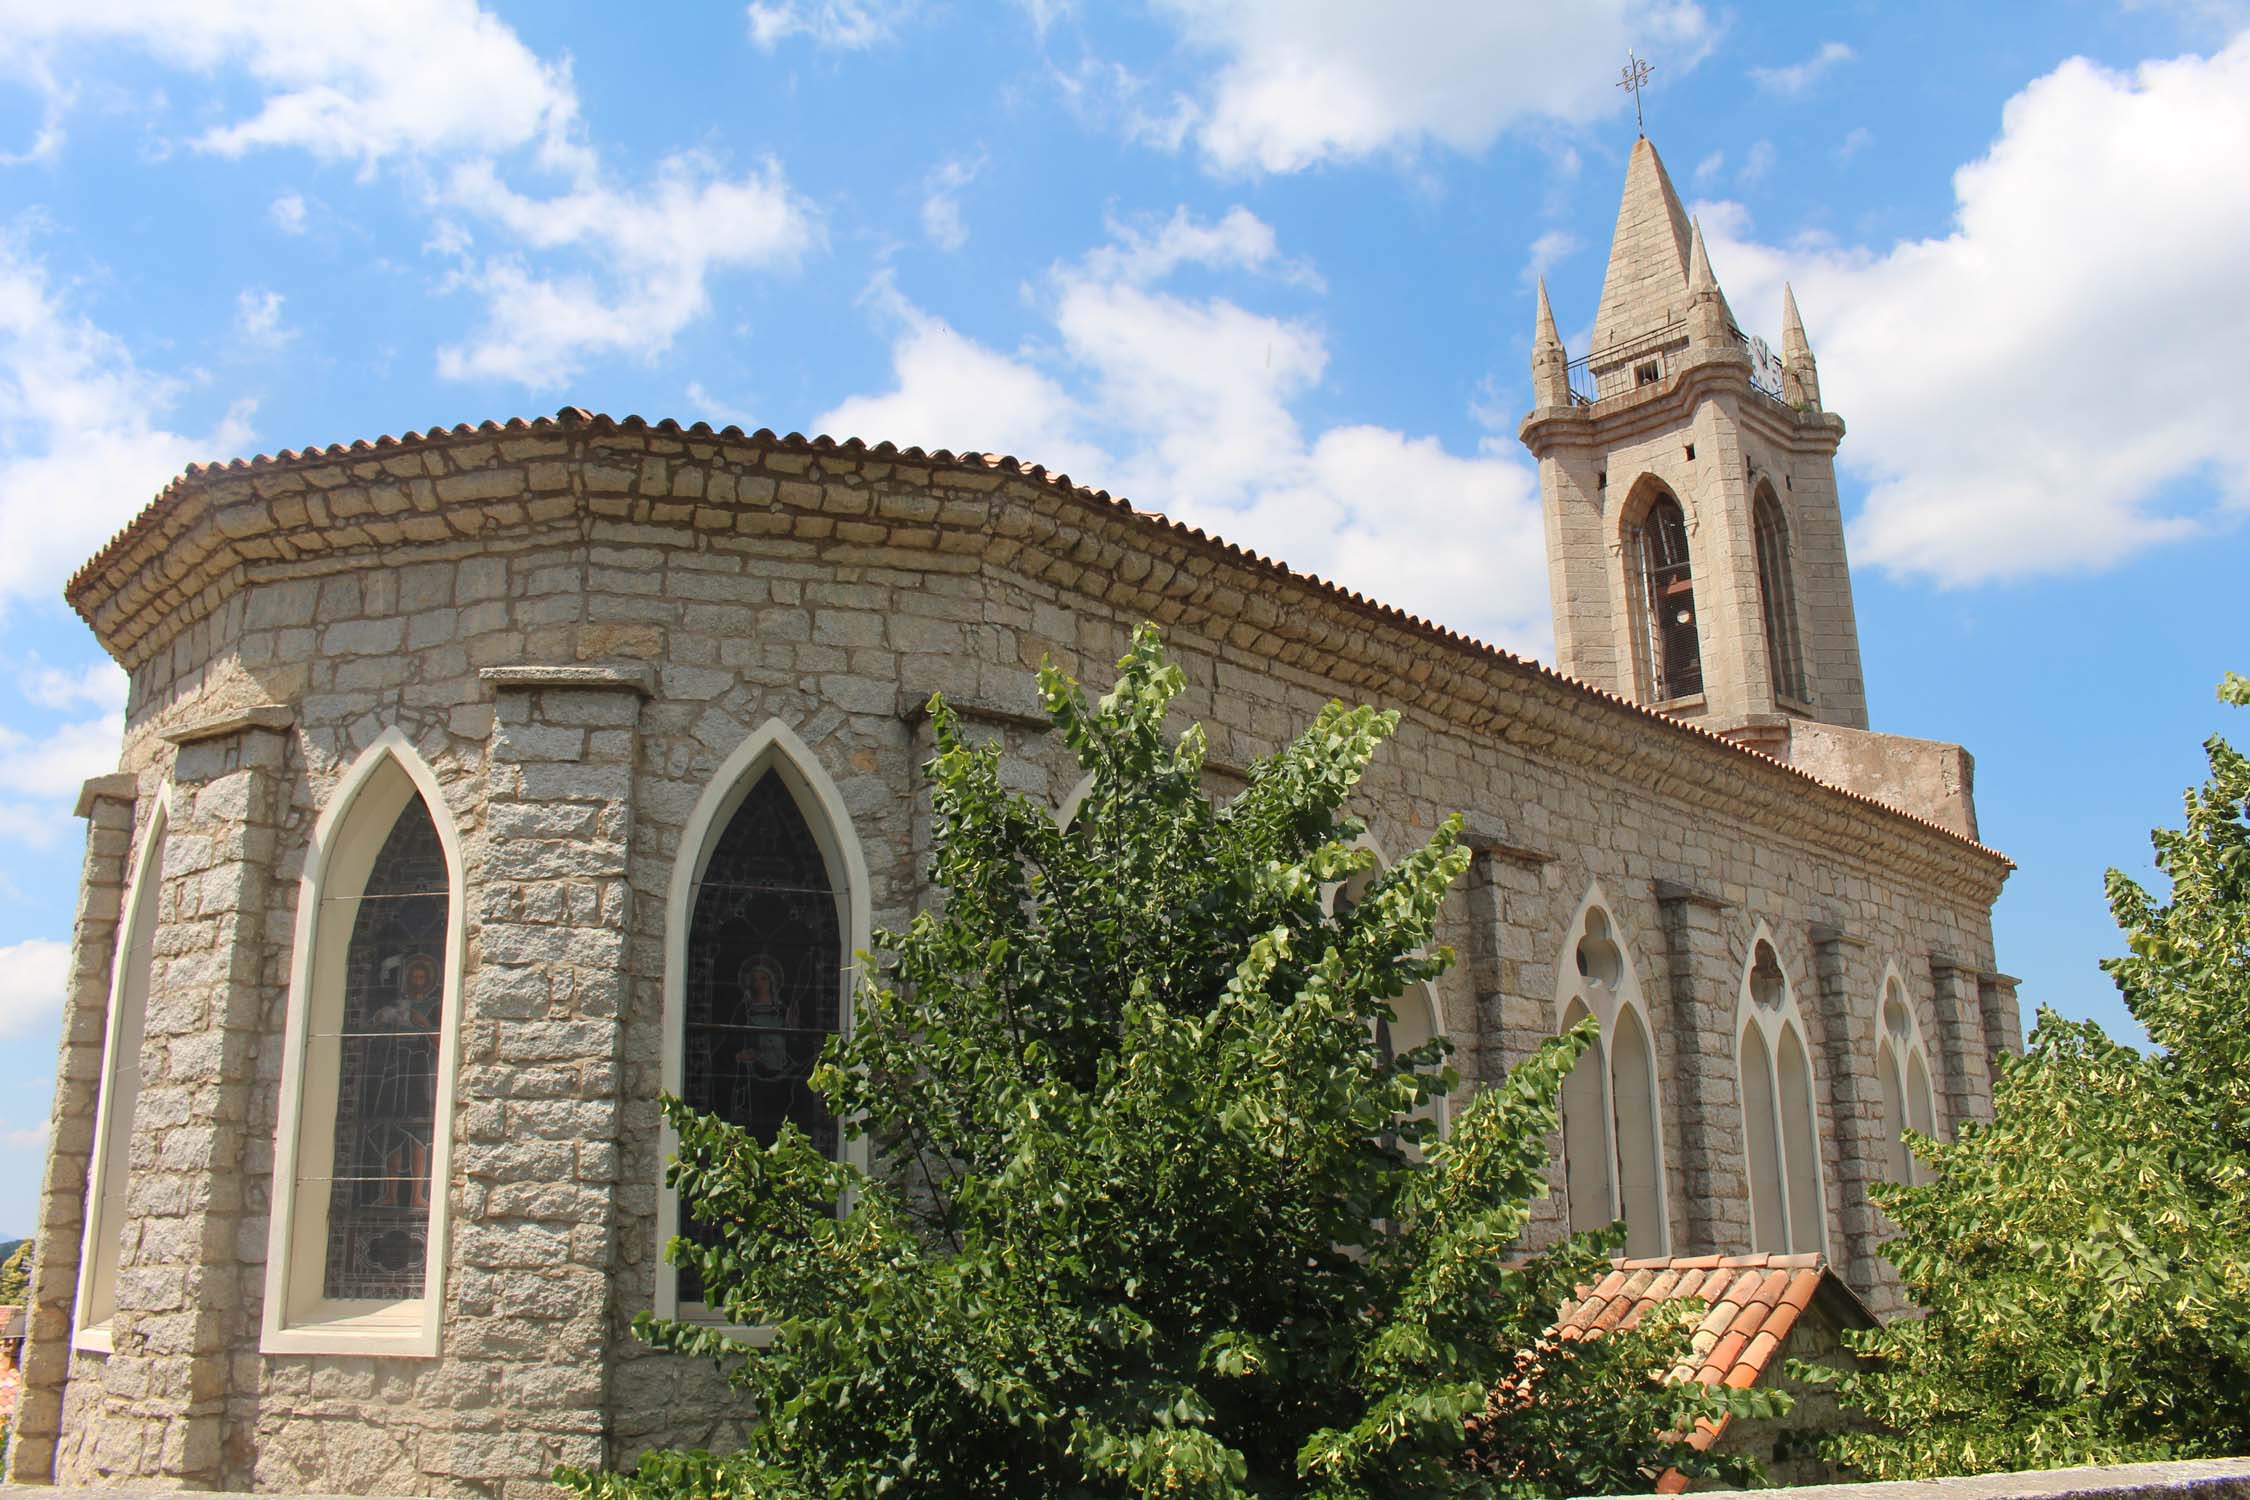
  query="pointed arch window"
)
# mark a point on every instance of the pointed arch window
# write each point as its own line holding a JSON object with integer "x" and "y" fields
{"x": 765, "y": 967}
{"x": 109, "y": 1170}
{"x": 1777, "y": 595}
{"x": 1415, "y": 1019}
{"x": 1613, "y": 1151}
{"x": 358, "y": 1234}
{"x": 768, "y": 905}
{"x": 1781, "y": 1128}
{"x": 1675, "y": 655}
{"x": 1902, "y": 1070}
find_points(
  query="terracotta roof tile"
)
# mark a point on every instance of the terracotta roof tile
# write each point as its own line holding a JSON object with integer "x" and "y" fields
{"x": 1753, "y": 1303}
{"x": 1724, "y": 1355}
{"x": 1754, "y": 1318}
{"x": 575, "y": 417}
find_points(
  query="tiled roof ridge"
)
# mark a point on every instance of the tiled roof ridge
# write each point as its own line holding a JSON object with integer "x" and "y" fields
{"x": 1751, "y": 1305}
{"x": 571, "y": 418}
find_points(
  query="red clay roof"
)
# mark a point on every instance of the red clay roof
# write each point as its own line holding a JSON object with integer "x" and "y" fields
{"x": 570, "y": 417}
{"x": 1754, "y": 1302}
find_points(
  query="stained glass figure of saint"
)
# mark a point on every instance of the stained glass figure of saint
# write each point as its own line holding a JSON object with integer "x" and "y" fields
{"x": 764, "y": 980}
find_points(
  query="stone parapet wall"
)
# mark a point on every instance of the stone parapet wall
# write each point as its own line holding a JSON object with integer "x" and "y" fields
{"x": 2186, "y": 1479}
{"x": 1927, "y": 777}
{"x": 176, "y": 576}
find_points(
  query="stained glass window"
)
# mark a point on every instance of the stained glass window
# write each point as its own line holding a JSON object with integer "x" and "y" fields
{"x": 387, "y": 1051}
{"x": 764, "y": 980}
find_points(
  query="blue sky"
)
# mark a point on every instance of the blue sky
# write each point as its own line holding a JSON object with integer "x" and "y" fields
{"x": 1266, "y": 266}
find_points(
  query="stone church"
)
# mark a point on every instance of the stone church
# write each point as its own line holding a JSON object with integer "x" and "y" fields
{"x": 478, "y": 786}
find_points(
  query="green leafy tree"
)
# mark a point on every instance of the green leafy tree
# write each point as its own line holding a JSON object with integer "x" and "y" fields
{"x": 15, "y": 1275}
{"x": 2085, "y": 1257}
{"x": 1151, "y": 1212}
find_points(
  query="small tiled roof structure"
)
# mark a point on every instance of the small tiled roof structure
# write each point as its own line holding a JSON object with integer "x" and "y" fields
{"x": 12, "y": 1323}
{"x": 1754, "y": 1303}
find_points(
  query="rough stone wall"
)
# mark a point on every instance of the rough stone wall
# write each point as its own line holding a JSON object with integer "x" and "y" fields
{"x": 1929, "y": 777}
{"x": 733, "y": 582}
{"x": 1786, "y": 1447}
{"x": 39, "y": 1421}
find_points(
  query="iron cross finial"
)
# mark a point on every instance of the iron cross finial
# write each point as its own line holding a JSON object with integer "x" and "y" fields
{"x": 1635, "y": 79}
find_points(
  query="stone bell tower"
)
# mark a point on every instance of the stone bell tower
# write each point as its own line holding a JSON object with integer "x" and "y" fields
{"x": 1695, "y": 548}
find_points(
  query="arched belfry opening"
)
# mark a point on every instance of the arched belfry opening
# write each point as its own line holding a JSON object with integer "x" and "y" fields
{"x": 1777, "y": 597}
{"x": 1670, "y": 647}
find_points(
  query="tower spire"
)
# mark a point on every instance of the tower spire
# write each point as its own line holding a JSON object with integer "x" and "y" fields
{"x": 1695, "y": 548}
{"x": 1550, "y": 362}
{"x": 1648, "y": 255}
{"x": 1710, "y": 320}
{"x": 1800, "y": 376}
{"x": 1699, "y": 277}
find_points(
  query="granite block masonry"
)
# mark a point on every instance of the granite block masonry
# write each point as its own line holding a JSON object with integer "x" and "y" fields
{"x": 580, "y": 644}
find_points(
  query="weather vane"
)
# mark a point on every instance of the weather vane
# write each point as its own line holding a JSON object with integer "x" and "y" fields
{"x": 1634, "y": 80}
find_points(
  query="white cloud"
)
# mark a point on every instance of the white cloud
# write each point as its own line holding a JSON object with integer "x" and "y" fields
{"x": 42, "y": 769}
{"x": 645, "y": 261}
{"x": 1797, "y": 78}
{"x": 2032, "y": 392}
{"x": 1553, "y": 246}
{"x": 852, "y": 25}
{"x": 703, "y": 406}
{"x": 951, "y": 392}
{"x": 1188, "y": 405}
{"x": 56, "y": 764}
{"x": 1044, "y": 13}
{"x": 1239, "y": 240}
{"x": 941, "y": 221}
{"x": 31, "y": 984}
{"x": 56, "y": 98}
{"x": 1711, "y": 166}
{"x": 1301, "y": 82}
{"x": 362, "y": 81}
{"x": 101, "y": 684}
{"x": 941, "y": 206}
{"x": 32, "y": 1140}
{"x": 1757, "y": 163}
{"x": 589, "y": 266}
{"x": 1858, "y": 140}
{"x": 257, "y": 318}
{"x": 83, "y": 441}
{"x": 2220, "y": 18}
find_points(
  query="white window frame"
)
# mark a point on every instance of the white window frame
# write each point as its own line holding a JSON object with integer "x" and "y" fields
{"x": 1608, "y": 1003}
{"x": 346, "y": 841}
{"x": 773, "y": 746}
{"x": 1904, "y": 1053}
{"x": 1771, "y": 1027}
{"x": 1433, "y": 1014}
{"x": 1067, "y": 814}
{"x": 131, "y": 972}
